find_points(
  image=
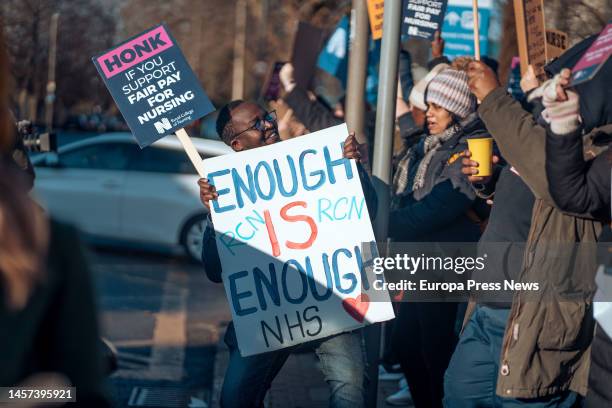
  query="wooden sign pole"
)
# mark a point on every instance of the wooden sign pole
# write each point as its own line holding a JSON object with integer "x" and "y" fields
{"x": 191, "y": 151}
{"x": 476, "y": 30}
{"x": 521, "y": 34}
{"x": 531, "y": 35}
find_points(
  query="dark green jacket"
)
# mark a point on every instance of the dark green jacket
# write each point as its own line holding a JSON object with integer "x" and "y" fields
{"x": 57, "y": 331}
{"x": 546, "y": 348}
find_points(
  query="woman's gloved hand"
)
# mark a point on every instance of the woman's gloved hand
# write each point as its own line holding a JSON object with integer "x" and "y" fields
{"x": 562, "y": 106}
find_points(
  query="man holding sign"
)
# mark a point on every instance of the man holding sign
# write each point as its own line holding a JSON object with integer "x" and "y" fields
{"x": 281, "y": 239}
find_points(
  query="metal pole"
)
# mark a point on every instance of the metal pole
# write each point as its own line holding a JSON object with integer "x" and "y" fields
{"x": 239, "y": 50}
{"x": 381, "y": 161}
{"x": 50, "y": 98}
{"x": 385, "y": 113}
{"x": 358, "y": 60}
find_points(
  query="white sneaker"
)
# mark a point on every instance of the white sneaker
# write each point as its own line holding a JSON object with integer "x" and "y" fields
{"x": 400, "y": 398}
{"x": 384, "y": 375}
{"x": 403, "y": 383}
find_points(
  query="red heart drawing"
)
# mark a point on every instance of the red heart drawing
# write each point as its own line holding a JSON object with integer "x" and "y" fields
{"x": 398, "y": 296}
{"x": 357, "y": 307}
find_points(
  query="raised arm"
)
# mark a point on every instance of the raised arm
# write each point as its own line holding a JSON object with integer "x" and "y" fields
{"x": 312, "y": 113}
{"x": 577, "y": 186}
{"x": 520, "y": 139}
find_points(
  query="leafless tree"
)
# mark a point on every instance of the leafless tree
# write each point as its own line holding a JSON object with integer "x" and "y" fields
{"x": 86, "y": 27}
{"x": 205, "y": 32}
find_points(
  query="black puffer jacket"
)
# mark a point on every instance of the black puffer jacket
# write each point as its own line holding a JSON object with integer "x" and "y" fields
{"x": 582, "y": 186}
{"x": 440, "y": 214}
{"x": 577, "y": 185}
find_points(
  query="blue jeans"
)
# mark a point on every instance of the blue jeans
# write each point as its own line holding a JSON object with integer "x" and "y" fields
{"x": 471, "y": 377}
{"x": 341, "y": 359}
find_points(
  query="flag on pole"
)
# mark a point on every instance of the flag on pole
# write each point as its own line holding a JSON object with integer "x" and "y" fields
{"x": 333, "y": 59}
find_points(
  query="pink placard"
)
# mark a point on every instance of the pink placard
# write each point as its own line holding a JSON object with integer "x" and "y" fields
{"x": 134, "y": 51}
{"x": 598, "y": 52}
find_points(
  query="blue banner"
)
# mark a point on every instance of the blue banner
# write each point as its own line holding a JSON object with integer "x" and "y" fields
{"x": 458, "y": 30}
{"x": 372, "y": 72}
{"x": 333, "y": 59}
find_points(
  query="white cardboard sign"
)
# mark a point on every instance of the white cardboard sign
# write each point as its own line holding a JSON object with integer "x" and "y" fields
{"x": 290, "y": 222}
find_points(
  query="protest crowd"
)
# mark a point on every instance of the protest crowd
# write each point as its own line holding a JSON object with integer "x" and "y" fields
{"x": 548, "y": 192}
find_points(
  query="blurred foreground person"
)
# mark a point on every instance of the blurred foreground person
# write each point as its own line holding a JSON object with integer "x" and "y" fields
{"x": 47, "y": 316}
{"x": 244, "y": 126}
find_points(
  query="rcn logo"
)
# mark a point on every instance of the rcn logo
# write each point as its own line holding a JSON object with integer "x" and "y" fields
{"x": 162, "y": 126}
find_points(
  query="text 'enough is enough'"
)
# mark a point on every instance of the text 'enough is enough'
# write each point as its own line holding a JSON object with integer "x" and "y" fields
{"x": 264, "y": 180}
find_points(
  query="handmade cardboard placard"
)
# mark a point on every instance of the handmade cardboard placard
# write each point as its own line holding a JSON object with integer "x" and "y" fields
{"x": 290, "y": 222}
{"x": 531, "y": 35}
{"x": 376, "y": 10}
{"x": 306, "y": 47}
{"x": 153, "y": 85}
{"x": 421, "y": 19}
{"x": 556, "y": 43}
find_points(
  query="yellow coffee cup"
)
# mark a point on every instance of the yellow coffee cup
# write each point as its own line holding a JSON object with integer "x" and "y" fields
{"x": 482, "y": 152}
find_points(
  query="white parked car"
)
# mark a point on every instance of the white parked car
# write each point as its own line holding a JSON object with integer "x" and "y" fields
{"x": 110, "y": 188}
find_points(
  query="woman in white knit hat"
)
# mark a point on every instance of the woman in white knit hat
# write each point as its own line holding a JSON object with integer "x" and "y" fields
{"x": 431, "y": 204}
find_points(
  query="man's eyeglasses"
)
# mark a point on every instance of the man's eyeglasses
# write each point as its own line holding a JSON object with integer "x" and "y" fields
{"x": 259, "y": 124}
